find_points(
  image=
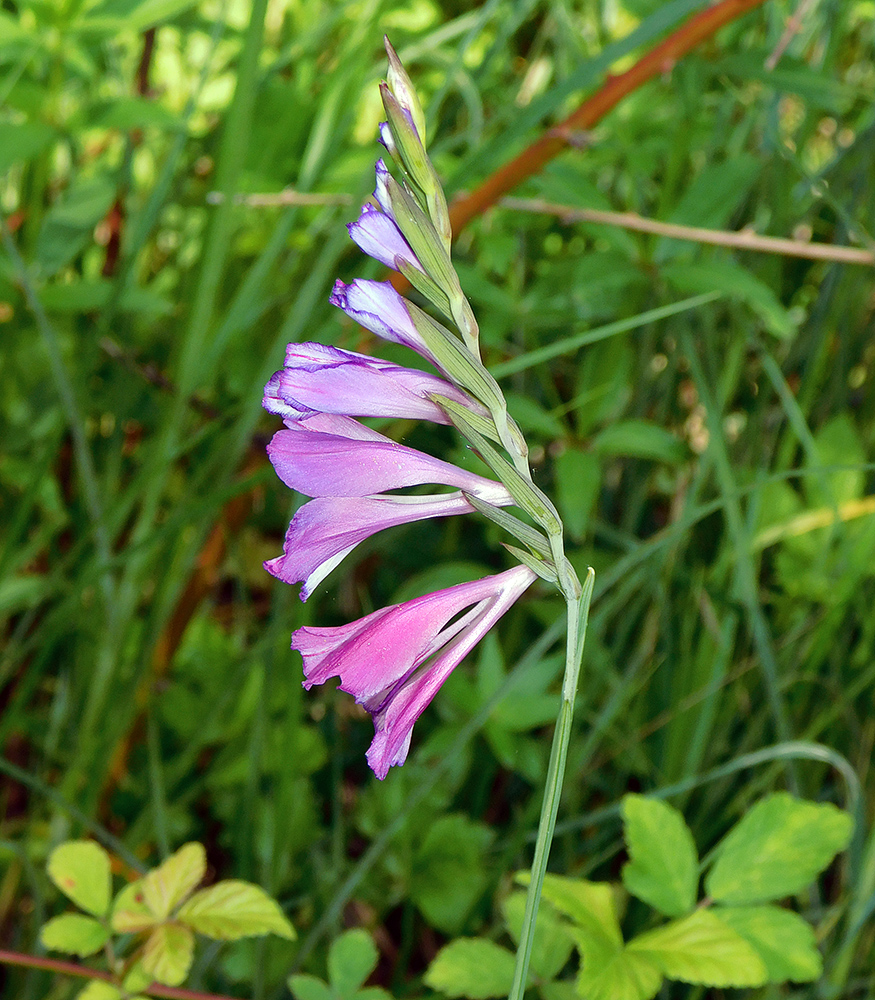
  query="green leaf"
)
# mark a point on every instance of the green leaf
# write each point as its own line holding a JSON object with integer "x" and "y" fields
{"x": 351, "y": 959}
{"x": 22, "y": 141}
{"x": 701, "y": 949}
{"x": 735, "y": 281}
{"x": 98, "y": 989}
{"x": 471, "y": 967}
{"x": 612, "y": 972}
{"x": 641, "y": 439}
{"x": 135, "y": 15}
{"x": 552, "y": 943}
{"x": 838, "y": 443}
{"x": 75, "y": 934}
{"x": 232, "y": 909}
{"x": 130, "y": 914}
{"x": 448, "y": 873}
{"x": 129, "y": 113}
{"x": 168, "y": 954}
{"x": 777, "y": 849}
{"x": 136, "y": 979}
{"x": 589, "y": 904}
{"x": 166, "y": 886}
{"x": 305, "y": 987}
{"x": 783, "y": 940}
{"x": 664, "y": 866}
{"x": 69, "y": 223}
{"x": 578, "y": 479}
{"x": 81, "y": 870}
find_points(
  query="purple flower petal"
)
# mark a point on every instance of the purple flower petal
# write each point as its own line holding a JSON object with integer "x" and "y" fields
{"x": 381, "y": 659}
{"x": 324, "y": 531}
{"x": 380, "y": 309}
{"x": 320, "y": 379}
{"x": 331, "y": 456}
{"x": 376, "y": 233}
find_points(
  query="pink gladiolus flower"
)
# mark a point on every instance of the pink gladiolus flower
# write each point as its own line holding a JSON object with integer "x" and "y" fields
{"x": 379, "y": 308}
{"x": 375, "y": 232}
{"x": 347, "y": 466}
{"x": 394, "y": 660}
{"x": 321, "y": 379}
{"x": 335, "y": 456}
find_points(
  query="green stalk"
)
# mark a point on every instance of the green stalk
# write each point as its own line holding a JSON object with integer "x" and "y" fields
{"x": 578, "y": 616}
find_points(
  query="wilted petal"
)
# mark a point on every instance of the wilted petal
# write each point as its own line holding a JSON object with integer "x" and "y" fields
{"x": 380, "y": 309}
{"x": 321, "y": 379}
{"x": 382, "y": 659}
{"x": 334, "y": 456}
{"x": 324, "y": 531}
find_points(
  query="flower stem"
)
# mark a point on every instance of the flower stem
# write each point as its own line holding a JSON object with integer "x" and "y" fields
{"x": 578, "y": 616}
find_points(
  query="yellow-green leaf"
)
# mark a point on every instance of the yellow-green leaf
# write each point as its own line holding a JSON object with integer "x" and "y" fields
{"x": 663, "y": 869}
{"x": 171, "y": 882}
{"x": 99, "y": 989}
{"x": 702, "y": 949}
{"x": 777, "y": 849}
{"x": 621, "y": 975}
{"x": 783, "y": 940}
{"x": 130, "y": 914}
{"x": 81, "y": 870}
{"x": 137, "y": 979}
{"x": 232, "y": 909}
{"x": 168, "y": 953}
{"x": 74, "y": 934}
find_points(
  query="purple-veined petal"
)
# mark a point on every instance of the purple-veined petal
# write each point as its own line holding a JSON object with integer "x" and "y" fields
{"x": 377, "y": 235}
{"x": 324, "y": 531}
{"x": 382, "y": 659}
{"x": 380, "y": 309}
{"x": 347, "y": 459}
{"x": 322, "y": 379}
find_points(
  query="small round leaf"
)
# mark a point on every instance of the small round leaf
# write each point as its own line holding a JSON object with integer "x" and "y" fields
{"x": 81, "y": 870}
{"x": 74, "y": 934}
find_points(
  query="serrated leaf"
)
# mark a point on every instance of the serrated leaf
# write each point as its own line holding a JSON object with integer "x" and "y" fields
{"x": 701, "y": 949}
{"x": 471, "y": 967}
{"x": 166, "y": 886}
{"x": 589, "y": 904}
{"x": 351, "y": 959}
{"x": 74, "y": 934}
{"x": 98, "y": 989}
{"x": 617, "y": 974}
{"x": 81, "y": 870}
{"x": 168, "y": 954}
{"x": 783, "y": 940}
{"x": 130, "y": 914}
{"x": 304, "y": 987}
{"x": 233, "y": 909}
{"x": 664, "y": 866}
{"x": 777, "y": 849}
{"x": 552, "y": 944}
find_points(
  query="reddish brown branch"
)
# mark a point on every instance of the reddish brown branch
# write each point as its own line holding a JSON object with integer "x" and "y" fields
{"x": 658, "y": 60}
{"x": 73, "y": 969}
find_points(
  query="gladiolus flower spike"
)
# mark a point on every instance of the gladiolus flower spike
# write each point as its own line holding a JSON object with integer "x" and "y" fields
{"x": 394, "y": 660}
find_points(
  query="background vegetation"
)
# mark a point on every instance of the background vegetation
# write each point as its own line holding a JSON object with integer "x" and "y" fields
{"x": 712, "y": 459}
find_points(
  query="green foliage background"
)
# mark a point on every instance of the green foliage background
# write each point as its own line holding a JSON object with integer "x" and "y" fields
{"x": 713, "y": 465}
